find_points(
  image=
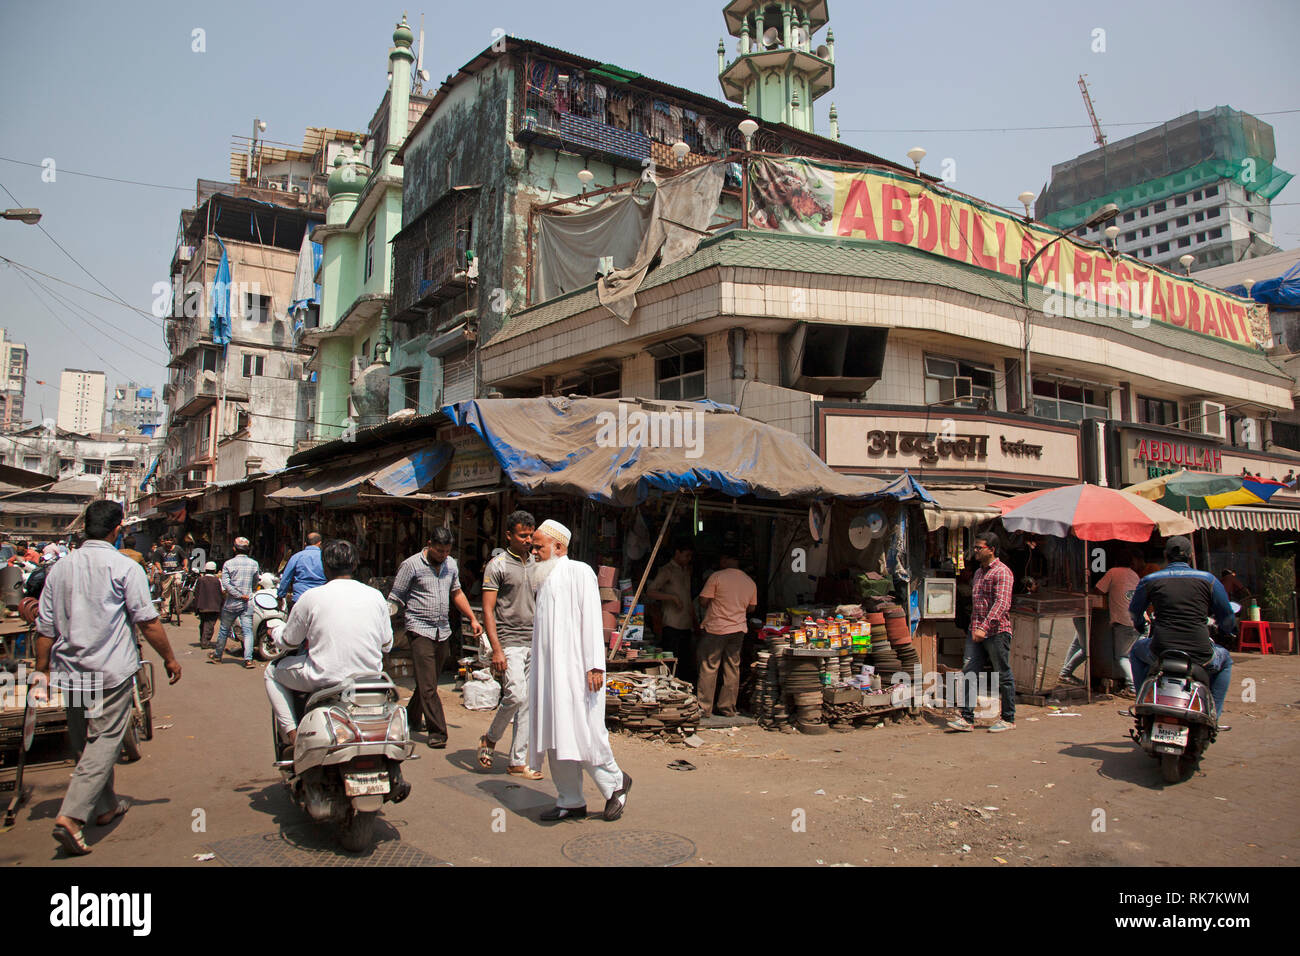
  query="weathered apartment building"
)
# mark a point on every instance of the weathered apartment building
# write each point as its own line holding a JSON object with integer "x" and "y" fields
{"x": 239, "y": 394}
{"x": 524, "y": 126}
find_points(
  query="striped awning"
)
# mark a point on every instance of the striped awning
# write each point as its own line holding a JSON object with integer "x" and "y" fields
{"x": 1248, "y": 519}
{"x": 961, "y": 508}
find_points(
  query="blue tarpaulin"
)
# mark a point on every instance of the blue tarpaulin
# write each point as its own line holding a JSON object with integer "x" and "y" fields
{"x": 1281, "y": 291}
{"x": 618, "y": 451}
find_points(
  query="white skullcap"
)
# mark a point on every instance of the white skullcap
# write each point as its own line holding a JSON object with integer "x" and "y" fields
{"x": 553, "y": 529}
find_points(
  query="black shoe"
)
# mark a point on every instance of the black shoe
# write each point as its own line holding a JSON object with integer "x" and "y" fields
{"x": 564, "y": 813}
{"x": 438, "y": 743}
{"x": 618, "y": 800}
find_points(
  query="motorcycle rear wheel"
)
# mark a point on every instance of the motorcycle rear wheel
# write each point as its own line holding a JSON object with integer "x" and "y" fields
{"x": 357, "y": 833}
{"x": 264, "y": 647}
{"x": 1175, "y": 768}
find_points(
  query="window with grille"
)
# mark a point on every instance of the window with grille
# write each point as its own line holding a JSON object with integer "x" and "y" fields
{"x": 1157, "y": 411}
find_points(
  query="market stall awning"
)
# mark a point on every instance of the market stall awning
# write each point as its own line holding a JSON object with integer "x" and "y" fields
{"x": 619, "y": 450}
{"x": 1248, "y": 519}
{"x": 962, "y": 508}
{"x": 398, "y": 476}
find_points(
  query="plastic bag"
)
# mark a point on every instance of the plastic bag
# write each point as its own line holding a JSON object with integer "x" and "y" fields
{"x": 481, "y": 694}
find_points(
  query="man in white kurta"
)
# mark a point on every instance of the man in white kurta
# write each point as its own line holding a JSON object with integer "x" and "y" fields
{"x": 566, "y": 692}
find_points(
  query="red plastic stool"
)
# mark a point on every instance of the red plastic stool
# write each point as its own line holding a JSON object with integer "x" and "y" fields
{"x": 1260, "y": 640}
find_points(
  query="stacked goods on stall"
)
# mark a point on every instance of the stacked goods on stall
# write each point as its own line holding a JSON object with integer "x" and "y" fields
{"x": 649, "y": 705}
{"x": 769, "y": 699}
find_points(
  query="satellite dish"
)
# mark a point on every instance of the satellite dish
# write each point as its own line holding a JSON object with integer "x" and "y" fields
{"x": 865, "y": 528}
{"x": 824, "y": 51}
{"x": 424, "y": 75}
{"x": 770, "y": 36}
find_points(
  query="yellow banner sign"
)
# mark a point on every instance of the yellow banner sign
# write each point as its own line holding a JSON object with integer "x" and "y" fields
{"x": 840, "y": 202}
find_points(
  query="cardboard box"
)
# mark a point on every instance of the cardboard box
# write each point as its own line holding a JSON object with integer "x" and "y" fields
{"x": 610, "y": 620}
{"x": 606, "y": 576}
{"x": 612, "y": 607}
{"x": 633, "y": 633}
{"x": 608, "y": 594}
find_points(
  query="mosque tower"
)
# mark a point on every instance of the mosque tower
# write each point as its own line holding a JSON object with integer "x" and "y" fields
{"x": 779, "y": 72}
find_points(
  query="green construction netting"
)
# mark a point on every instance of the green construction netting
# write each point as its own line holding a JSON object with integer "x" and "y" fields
{"x": 1259, "y": 178}
{"x": 1187, "y": 153}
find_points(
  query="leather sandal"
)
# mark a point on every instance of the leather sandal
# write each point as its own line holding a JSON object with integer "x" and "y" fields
{"x": 485, "y": 754}
{"x": 526, "y": 772}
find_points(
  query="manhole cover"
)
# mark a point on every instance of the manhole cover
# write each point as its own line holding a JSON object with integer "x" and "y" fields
{"x": 630, "y": 848}
{"x": 311, "y": 845}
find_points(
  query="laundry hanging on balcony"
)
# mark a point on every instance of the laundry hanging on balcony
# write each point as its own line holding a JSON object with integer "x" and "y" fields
{"x": 221, "y": 301}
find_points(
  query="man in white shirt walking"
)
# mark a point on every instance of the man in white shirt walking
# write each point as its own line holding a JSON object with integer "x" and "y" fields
{"x": 347, "y": 627}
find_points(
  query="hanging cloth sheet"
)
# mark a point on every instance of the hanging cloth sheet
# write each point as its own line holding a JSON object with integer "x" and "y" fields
{"x": 569, "y": 247}
{"x": 682, "y": 206}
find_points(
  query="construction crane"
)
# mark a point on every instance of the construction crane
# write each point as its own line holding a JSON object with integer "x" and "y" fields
{"x": 1092, "y": 114}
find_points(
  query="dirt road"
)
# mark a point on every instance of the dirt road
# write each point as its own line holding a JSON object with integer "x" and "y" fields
{"x": 1057, "y": 790}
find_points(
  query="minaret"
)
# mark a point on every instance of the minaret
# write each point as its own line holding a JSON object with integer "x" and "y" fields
{"x": 779, "y": 72}
{"x": 400, "y": 59}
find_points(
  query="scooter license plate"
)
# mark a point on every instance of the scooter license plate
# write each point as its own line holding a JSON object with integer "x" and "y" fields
{"x": 1169, "y": 734}
{"x": 365, "y": 784}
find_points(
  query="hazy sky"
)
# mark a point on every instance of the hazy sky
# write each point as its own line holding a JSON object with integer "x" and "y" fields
{"x": 115, "y": 89}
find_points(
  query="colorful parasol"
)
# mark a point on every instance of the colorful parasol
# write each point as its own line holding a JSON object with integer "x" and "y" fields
{"x": 1203, "y": 490}
{"x": 1092, "y": 513}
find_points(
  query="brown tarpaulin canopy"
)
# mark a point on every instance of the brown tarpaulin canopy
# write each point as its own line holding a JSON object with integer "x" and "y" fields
{"x": 619, "y": 450}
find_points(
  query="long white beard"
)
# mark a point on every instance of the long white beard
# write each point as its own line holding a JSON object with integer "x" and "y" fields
{"x": 538, "y": 573}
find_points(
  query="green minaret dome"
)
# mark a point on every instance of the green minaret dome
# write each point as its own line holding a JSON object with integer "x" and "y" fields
{"x": 349, "y": 176}
{"x": 403, "y": 36}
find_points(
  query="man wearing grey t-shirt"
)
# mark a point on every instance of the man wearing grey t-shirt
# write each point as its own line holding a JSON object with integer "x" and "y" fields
{"x": 508, "y": 618}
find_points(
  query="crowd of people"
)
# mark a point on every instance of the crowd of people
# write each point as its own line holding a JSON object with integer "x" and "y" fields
{"x": 543, "y": 629}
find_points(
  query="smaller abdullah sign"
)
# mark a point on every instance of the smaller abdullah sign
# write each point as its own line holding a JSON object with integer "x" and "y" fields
{"x": 1179, "y": 454}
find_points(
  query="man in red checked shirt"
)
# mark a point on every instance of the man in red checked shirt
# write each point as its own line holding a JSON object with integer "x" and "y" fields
{"x": 989, "y": 644}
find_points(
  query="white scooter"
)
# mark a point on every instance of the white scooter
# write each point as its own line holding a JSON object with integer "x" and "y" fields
{"x": 266, "y": 609}
{"x": 347, "y": 756}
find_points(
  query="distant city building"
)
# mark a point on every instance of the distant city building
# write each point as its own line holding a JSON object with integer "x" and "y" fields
{"x": 134, "y": 408}
{"x": 1199, "y": 185}
{"x": 81, "y": 400}
{"x": 13, "y": 385}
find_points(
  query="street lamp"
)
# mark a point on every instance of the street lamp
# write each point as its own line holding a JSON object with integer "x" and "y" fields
{"x": 747, "y": 129}
{"x": 1105, "y": 214}
{"x": 1026, "y": 198}
{"x": 1112, "y": 234}
{"x": 29, "y": 216}
{"x": 680, "y": 149}
{"x": 916, "y": 154}
{"x": 585, "y": 176}
{"x": 1186, "y": 261}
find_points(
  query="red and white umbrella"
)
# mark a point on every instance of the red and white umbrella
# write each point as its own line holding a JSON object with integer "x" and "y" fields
{"x": 1091, "y": 513}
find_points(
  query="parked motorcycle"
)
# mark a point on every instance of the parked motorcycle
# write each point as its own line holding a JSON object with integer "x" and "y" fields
{"x": 1174, "y": 716}
{"x": 347, "y": 757}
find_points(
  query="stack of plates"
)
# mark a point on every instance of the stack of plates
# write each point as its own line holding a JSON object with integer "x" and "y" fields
{"x": 803, "y": 682}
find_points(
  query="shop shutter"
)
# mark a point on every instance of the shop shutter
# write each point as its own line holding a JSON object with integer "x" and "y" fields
{"x": 457, "y": 380}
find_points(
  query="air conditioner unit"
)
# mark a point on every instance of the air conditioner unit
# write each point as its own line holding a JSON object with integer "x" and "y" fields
{"x": 185, "y": 254}
{"x": 1209, "y": 419}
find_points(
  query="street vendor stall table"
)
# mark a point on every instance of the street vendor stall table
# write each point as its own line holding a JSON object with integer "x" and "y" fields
{"x": 1042, "y": 627}
{"x": 664, "y": 666}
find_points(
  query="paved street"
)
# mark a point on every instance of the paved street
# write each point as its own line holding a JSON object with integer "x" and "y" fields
{"x": 904, "y": 794}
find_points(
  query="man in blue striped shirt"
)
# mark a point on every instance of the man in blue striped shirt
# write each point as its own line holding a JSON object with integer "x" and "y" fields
{"x": 304, "y": 570}
{"x": 238, "y": 581}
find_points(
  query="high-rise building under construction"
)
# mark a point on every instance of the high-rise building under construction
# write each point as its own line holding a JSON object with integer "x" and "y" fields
{"x": 1200, "y": 184}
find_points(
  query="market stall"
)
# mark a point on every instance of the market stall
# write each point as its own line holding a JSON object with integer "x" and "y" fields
{"x": 1091, "y": 514}
{"x": 729, "y": 484}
